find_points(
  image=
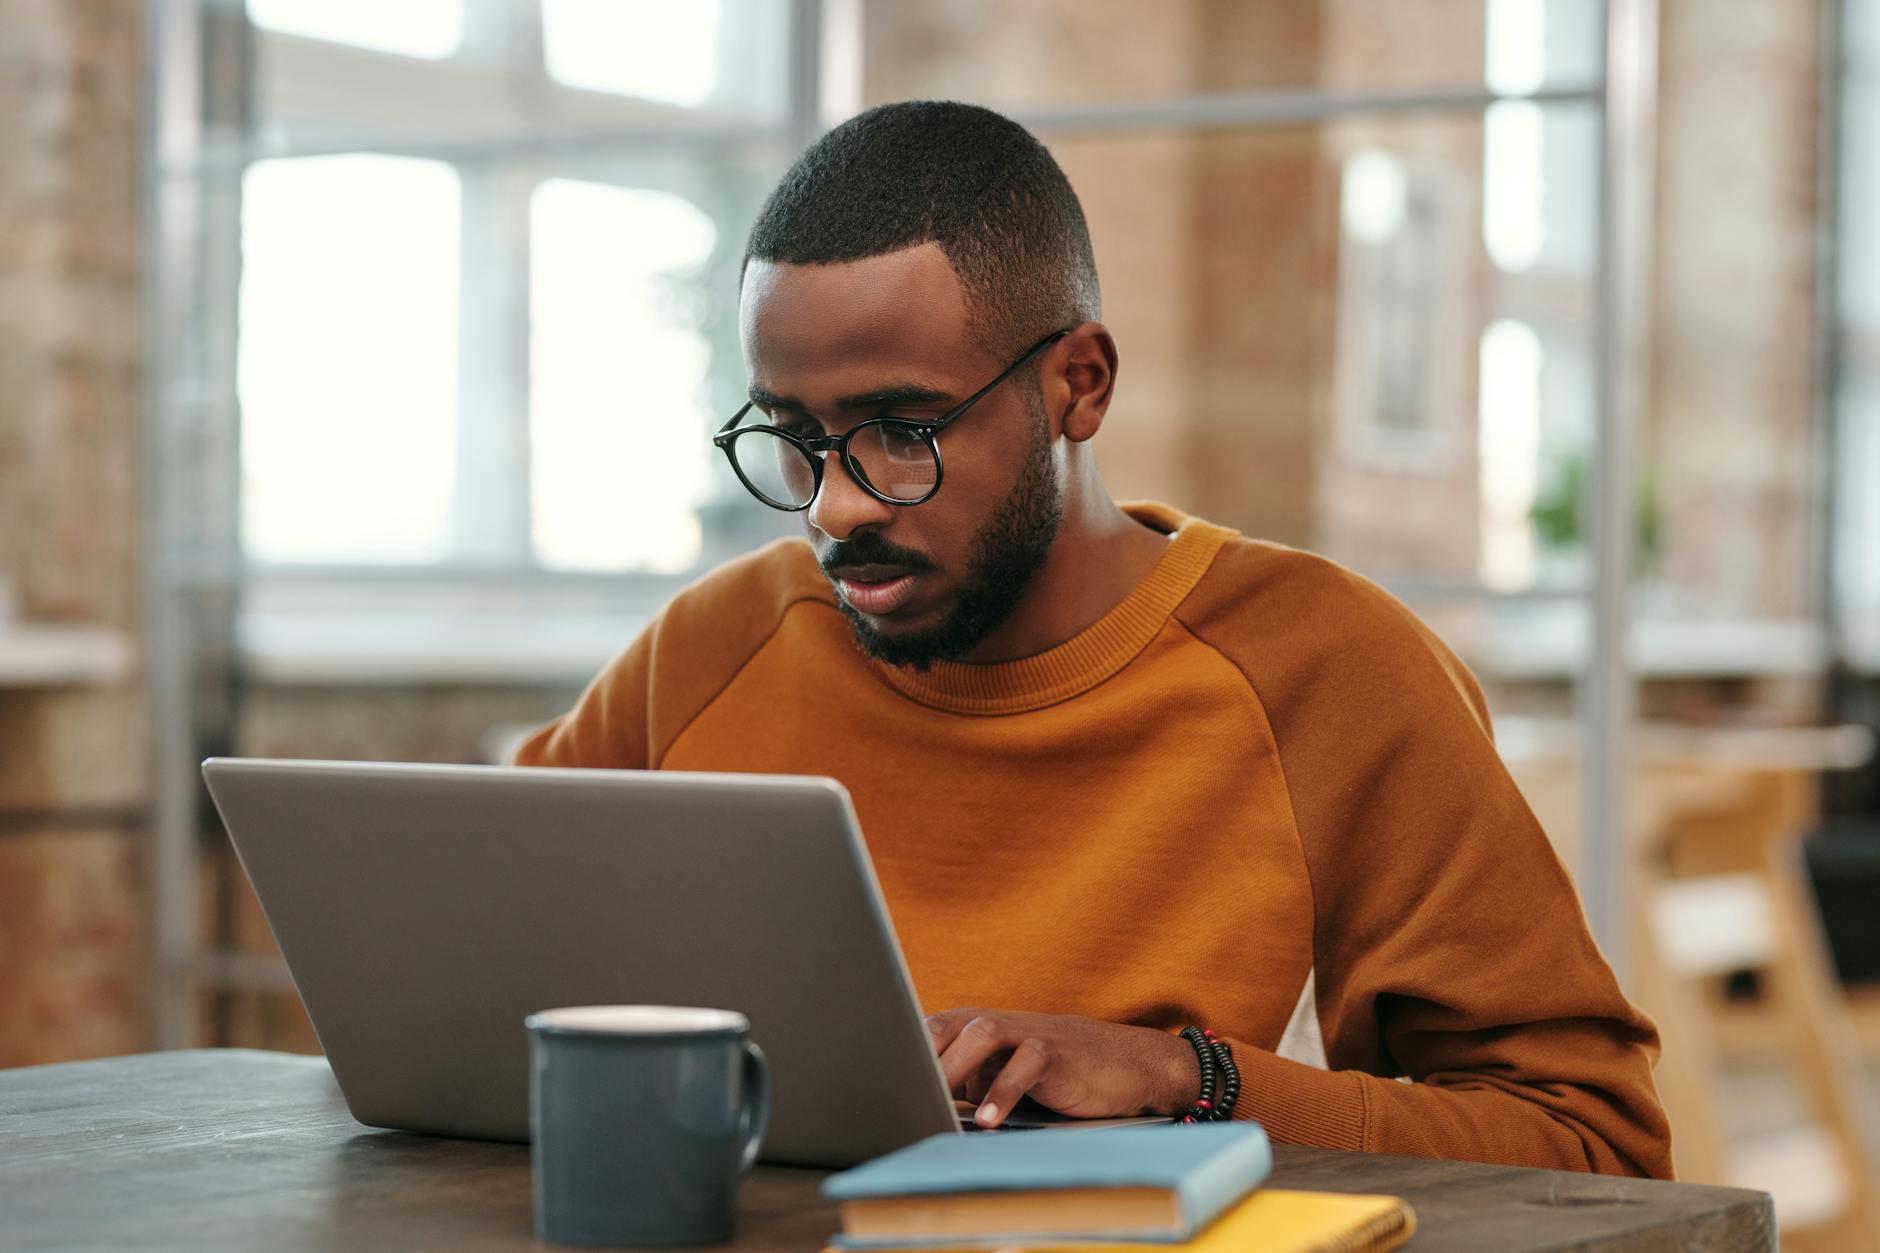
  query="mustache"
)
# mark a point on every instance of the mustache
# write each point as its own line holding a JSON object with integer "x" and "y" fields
{"x": 869, "y": 549}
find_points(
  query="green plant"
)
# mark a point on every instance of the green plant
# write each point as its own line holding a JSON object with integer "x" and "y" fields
{"x": 1558, "y": 510}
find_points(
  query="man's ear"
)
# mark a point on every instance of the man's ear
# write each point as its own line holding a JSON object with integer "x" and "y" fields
{"x": 1087, "y": 379}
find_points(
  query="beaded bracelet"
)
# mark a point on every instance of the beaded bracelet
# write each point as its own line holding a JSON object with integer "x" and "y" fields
{"x": 1220, "y": 1078}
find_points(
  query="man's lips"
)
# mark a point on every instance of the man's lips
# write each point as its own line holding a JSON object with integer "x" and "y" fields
{"x": 875, "y": 590}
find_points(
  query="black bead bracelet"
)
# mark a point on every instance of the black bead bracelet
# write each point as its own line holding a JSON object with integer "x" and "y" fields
{"x": 1220, "y": 1078}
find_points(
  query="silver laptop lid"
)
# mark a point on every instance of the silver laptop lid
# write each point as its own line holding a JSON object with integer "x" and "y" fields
{"x": 424, "y": 910}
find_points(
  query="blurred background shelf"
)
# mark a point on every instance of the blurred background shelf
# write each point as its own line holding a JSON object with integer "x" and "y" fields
{"x": 41, "y": 656}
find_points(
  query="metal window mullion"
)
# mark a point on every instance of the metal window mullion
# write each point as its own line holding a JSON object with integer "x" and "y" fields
{"x": 493, "y": 100}
{"x": 840, "y": 61}
{"x": 490, "y": 506}
{"x": 497, "y": 32}
{"x": 171, "y": 126}
{"x": 805, "y": 80}
{"x": 1827, "y": 604}
{"x": 1608, "y": 688}
{"x": 194, "y": 60}
{"x": 727, "y": 139}
{"x": 1243, "y": 110}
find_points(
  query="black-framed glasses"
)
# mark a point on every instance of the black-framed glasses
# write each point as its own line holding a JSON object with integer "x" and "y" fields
{"x": 895, "y": 460}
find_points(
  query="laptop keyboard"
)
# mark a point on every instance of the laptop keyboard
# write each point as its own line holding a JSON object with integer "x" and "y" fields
{"x": 967, "y": 1124}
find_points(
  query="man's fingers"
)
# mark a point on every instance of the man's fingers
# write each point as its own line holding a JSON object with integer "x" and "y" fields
{"x": 1030, "y": 1060}
{"x": 972, "y": 1046}
{"x": 945, "y": 1026}
{"x": 980, "y": 1081}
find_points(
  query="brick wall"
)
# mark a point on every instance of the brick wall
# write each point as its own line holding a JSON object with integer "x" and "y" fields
{"x": 1731, "y": 414}
{"x": 71, "y": 759}
{"x": 1220, "y": 255}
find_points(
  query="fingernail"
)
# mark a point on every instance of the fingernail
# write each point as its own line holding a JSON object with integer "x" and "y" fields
{"x": 987, "y": 1115}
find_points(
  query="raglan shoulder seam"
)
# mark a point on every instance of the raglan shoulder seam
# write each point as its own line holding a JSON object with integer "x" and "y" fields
{"x": 731, "y": 676}
{"x": 1279, "y": 755}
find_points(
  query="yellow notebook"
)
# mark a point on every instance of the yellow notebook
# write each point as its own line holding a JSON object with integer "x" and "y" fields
{"x": 1271, "y": 1220}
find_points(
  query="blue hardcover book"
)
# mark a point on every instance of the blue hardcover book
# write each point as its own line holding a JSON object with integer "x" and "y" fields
{"x": 1147, "y": 1184}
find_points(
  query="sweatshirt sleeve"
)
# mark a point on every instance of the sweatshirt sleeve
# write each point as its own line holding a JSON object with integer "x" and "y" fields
{"x": 608, "y": 728}
{"x": 635, "y": 708}
{"x": 1450, "y": 947}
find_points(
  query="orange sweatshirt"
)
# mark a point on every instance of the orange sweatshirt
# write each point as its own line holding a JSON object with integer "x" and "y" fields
{"x": 1258, "y": 795}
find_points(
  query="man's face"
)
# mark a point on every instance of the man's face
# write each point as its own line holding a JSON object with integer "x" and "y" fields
{"x": 828, "y": 346}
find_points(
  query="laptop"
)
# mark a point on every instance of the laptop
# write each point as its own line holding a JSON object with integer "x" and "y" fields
{"x": 425, "y": 910}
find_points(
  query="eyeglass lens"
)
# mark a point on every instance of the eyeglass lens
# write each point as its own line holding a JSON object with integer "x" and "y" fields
{"x": 893, "y": 459}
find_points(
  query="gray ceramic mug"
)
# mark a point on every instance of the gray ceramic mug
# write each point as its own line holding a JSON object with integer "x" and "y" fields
{"x": 643, "y": 1117}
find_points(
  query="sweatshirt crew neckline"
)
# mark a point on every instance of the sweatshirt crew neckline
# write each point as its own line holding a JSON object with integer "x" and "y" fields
{"x": 1093, "y": 654}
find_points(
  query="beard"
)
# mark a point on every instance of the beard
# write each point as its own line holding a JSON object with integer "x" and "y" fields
{"x": 1007, "y": 553}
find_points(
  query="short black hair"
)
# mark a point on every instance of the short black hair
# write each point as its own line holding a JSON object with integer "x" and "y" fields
{"x": 975, "y": 182}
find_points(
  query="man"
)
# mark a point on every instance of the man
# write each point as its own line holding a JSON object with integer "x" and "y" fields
{"x": 1121, "y": 771}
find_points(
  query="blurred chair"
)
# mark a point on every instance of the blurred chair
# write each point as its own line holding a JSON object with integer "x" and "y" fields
{"x": 1726, "y": 891}
{"x": 1717, "y": 820}
{"x": 1844, "y": 866}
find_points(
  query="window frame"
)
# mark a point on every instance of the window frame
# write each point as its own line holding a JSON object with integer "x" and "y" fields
{"x": 1850, "y": 423}
{"x": 505, "y": 125}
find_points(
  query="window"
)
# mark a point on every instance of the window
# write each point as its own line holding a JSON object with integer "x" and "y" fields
{"x": 1393, "y": 219}
{"x": 648, "y": 48}
{"x": 347, "y": 365}
{"x": 1509, "y": 431}
{"x": 487, "y": 334}
{"x": 618, "y": 370}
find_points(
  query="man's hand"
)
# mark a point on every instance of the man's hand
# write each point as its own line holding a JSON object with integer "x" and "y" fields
{"x": 1077, "y": 1066}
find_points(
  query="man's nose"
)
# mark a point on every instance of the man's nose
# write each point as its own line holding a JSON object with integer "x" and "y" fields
{"x": 842, "y": 507}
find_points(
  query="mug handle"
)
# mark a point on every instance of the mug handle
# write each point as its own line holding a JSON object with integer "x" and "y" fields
{"x": 754, "y": 1116}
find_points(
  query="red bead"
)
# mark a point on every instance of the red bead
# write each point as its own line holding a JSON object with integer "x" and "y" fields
{"x": 1210, "y": 1035}
{"x": 1204, "y": 1103}
{"x": 1189, "y": 1118}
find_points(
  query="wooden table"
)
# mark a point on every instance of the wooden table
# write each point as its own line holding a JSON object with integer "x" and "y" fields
{"x": 230, "y": 1149}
